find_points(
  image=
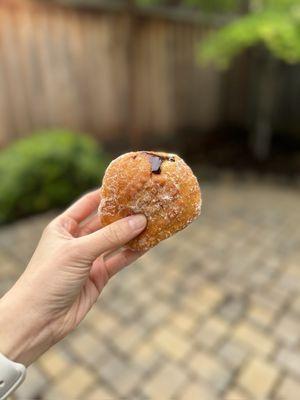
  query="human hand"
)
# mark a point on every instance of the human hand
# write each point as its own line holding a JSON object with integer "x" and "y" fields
{"x": 71, "y": 265}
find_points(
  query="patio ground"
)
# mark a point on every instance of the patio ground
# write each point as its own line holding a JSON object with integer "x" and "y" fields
{"x": 212, "y": 313}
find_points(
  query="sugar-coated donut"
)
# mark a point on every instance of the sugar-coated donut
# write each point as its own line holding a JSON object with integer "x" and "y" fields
{"x": 159, "y": 185}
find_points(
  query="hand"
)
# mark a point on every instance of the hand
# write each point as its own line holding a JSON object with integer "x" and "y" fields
{"x": 71, "y": 265}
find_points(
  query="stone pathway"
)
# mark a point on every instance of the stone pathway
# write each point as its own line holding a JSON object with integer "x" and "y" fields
{"x": 213, "y": 313}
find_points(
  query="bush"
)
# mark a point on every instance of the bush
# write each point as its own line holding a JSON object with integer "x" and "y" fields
{"x": 47, "y": 170}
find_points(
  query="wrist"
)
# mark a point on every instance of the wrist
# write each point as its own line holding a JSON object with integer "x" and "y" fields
{"x": 24, "y": 335}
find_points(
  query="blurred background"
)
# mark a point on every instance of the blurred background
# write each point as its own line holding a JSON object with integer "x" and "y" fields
{"x": 217, "y": 81}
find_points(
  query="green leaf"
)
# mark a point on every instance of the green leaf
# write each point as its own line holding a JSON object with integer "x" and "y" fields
{"x": 276, "y": 26}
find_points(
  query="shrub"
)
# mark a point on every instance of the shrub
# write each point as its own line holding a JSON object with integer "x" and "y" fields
{"x": 47, "y": 170}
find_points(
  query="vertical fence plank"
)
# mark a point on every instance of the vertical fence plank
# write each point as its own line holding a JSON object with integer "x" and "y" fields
{"x": 10, "y": 63}
{"x": 64, "y": 67}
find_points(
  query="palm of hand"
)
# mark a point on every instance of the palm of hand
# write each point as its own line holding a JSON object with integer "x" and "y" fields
{"x": 73, "y": 262}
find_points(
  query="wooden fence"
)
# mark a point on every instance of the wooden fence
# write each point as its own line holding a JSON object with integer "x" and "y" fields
{"x": 118, "y": 75}
{"x": 100, "y": 71}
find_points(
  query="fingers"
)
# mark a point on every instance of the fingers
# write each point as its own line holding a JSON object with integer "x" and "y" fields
{"x": 90, "y": 226}
{"x": 121, "y": 260}
{"x": 83, "y": 207}
{"x": 112, "y": 236}
{"x": 105, "y": 267}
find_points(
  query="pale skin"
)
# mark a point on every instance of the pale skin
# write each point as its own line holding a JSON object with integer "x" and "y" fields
{"x": 73, "y": 261}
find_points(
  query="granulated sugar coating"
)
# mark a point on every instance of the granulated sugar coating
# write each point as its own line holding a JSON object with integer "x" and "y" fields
{"x": 159, "y": 185}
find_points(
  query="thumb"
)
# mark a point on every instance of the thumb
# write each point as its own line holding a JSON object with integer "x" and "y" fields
{"x": 112, "y": 236}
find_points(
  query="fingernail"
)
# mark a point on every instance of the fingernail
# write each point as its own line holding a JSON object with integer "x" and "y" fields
{"x": 137, "y": 222}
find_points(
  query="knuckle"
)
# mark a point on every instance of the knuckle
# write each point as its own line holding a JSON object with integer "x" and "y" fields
{"x": 68, "y": 223}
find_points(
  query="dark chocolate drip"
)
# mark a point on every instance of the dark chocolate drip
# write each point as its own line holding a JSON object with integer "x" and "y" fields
{"x": 156, "y": 161}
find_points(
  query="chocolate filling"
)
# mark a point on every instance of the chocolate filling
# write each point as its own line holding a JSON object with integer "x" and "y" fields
{"x": 156, "y": 161}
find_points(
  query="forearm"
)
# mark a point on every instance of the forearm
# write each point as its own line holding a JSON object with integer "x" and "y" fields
{"x": 24, "y": 335}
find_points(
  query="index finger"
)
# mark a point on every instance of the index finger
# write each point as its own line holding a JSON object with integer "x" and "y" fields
{"x": 83, "y": 207}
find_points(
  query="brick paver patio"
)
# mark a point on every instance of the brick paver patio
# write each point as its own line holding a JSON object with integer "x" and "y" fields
{"x": 213, "y": 313}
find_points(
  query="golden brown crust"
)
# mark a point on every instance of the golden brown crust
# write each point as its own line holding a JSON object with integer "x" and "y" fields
{"x": 170, "y": 199}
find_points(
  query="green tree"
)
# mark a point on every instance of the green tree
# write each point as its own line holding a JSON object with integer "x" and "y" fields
{"x": 275, "y": 26}
{"x": 275, "y": 23}
{"x": 265, "y": 24}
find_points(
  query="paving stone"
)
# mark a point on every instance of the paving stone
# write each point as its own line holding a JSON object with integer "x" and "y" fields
{"x": 123, "y": 307}
{"x": 173, "y": 345}
{"x": 211, "y": 370}
{"x": 212, "y": 332}
{"x": 129, "y": 337}
{"x": 155, "y": 315}
{"x": 100, "y": 393}
{"x": 184, "y": 321}
{"x": 193, "y": 305}
{"x": 258, "y": 378}
{"x": 261, "y": 315}
{"x": 197, "y": 391}
{"x": 232, "y": 309}
{"x": 102, "y": 322}
{"x": 129, "y": 379}
{"x": 204, "y": 299}
{"x": 290, "y": 279}
{"x": 165, "y": 383}
{"x": 75, "y": 382}
{"x": 164, "y": 288}
{"x": 233, "y": 353}
{"x": 33, "y": 386}
{"x": 290, "y": 360}
{"x": 86, "y": 346}
{"x": 54, "y": 363}
{"x": 238, "y": 264}
{"x": 122, "y": 374}
{"x": 232, "y": 287}
{"x": 288, "y": 330}
{"x": 52, "y": 394}
{"x": 146, "y": 356}
{"x": 18, "y": 233}
{"x": 277, "y": 294}
{"x": 5, "y": 285}
{"x": 143, "y": 297}
{"x": 96, "y": 313}
{"x": 268, "y": 299}
{"x": 253, "y": 338}
{"x": 237, "y": 394}
{"x": 112, "y": 368}
{"x": 295, "y": 307}
{"x": 134, "y": 279}
{"x": 129, "y": 310}
{"x": 210, "y": 295}
{"x": 261, "y": 277}
{"x": 288, "y": 389}
{"x": 10, "y": 268}
{"x": 192, "y": 280}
